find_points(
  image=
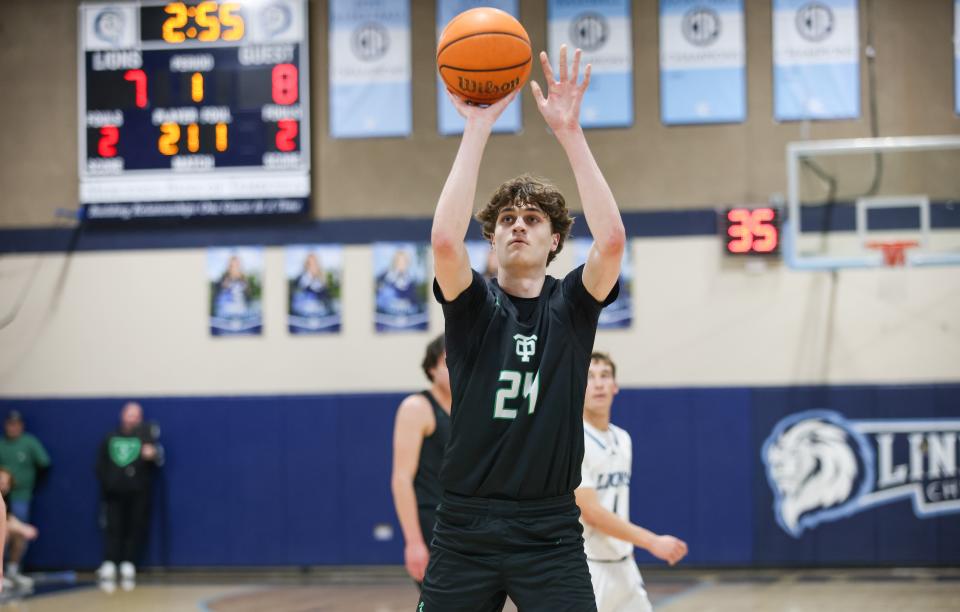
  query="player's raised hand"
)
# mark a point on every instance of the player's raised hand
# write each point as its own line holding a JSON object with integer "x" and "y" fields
{"x": 486, "y": 114}
{"x": 669, "y": 549}
{"x": 561, "y": 107}
{"x": 415, "y": 558}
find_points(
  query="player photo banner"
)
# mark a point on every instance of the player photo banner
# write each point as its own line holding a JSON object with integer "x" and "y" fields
{"x": 370, "y": 92}
{"x": 449, "y": 121}
{"x": 400, "y": 286}
{"x": 816, "y": 70}
{"x": 601, "y": 28}
{"x": 314, "y": 280}
{"x": 235, "y": 278}
{"x": 702, "y": 62}
{"x": 619, "y": 314}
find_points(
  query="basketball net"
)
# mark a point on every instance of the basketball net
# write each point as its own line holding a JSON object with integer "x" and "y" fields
{"x": 893, "y": 287}
{"x": 894, "y": 252}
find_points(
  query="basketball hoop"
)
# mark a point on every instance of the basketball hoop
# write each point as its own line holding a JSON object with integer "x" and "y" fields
{"x": 894, "y": 252}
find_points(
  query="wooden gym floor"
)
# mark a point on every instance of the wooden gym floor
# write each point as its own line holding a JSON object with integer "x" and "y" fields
{"x": 387, "y": 590}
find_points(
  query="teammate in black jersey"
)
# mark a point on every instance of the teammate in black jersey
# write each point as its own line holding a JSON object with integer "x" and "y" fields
{"x": 420, "y": 435}
{"x": 518, "y": 351}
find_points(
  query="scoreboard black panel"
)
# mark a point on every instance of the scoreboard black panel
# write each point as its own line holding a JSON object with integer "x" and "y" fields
{"x": 194, "y": 109}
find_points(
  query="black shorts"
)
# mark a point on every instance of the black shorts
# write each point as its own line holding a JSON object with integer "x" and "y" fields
{"x": 486, "y": 549}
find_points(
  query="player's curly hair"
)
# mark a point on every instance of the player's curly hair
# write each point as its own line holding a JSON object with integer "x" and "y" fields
{"x": 528, "y": 191}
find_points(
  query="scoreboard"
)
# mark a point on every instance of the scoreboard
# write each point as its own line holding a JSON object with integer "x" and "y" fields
{"x": 194, "y": 109}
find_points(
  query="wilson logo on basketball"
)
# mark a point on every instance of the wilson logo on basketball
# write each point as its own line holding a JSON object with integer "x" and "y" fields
{"x": 823, "y": 467}
{"x": 470, "y": 86}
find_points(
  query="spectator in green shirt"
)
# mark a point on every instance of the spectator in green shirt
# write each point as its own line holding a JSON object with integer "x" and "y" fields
{"x": 24, "y": 456}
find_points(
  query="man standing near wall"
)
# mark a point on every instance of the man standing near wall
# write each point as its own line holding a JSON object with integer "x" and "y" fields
{"x": 24, "y": 456}
{"x": 420, "y": 436}
{"x": 125, "y": 465}
{"x": 604, "y": 500}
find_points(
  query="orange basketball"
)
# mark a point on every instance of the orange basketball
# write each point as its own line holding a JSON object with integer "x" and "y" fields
{"x": 483, "y": 55}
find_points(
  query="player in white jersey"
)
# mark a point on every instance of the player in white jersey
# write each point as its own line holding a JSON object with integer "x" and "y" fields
{"x": 604, "y": 500}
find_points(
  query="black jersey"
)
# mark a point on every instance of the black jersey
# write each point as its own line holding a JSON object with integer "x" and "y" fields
{"x": 426, "y": 483}
{"x": 518, "y": 384}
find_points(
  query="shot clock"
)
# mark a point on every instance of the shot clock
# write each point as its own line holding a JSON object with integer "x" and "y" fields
{"x": 194, "y": 109}
{"x": 751, "y": 231}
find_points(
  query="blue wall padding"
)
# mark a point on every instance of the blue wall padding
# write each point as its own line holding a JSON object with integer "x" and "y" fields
{"x": 303, "y": 480}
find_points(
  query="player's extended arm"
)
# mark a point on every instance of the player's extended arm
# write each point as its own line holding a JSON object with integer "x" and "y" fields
{"x": 665, "y": 547}
{"x": 561, "y": 111}
{"x": 412, "y": 420}
{"x": 455, "y": 206}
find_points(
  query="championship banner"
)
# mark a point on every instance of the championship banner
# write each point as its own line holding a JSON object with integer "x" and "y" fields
{"x": 449, "y": 121}
{"x": 816, "y": 69}
{"x": 370, "y": 92}
{"x": 702, "y": 62}
{"x": 314, "y": 280}
{"x": 619, "y": 314}
{"x": 235, "y": 278}
{"x": 601, "y": 29}
{"x": 400, "y": 286}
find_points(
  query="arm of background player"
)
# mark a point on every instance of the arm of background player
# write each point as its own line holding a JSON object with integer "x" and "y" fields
{"x": 561, "y": 111}
{"x": 667, "y": 548}
{"x": 455, "y": 206}
{"x": 410, "y": 427}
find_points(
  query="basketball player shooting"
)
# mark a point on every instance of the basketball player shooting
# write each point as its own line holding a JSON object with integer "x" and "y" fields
{"x": 518, "y": 350}
{"x": 604, "y": 500}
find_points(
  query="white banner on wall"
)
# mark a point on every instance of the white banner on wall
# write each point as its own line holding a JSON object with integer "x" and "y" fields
{"x": 370, "y": 92}
{"x": 449, "y": 121}
{"x": 601, "y": 28}
{"x": 816, "y": 69}
{"x": 702, "y": 62}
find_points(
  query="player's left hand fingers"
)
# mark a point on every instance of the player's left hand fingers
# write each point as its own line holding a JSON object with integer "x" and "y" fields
{"x": 575, "y": 69}
{"x": 586, "y": 78}
{"x": 547, "y": 68}
{"x": 563, "y": 63}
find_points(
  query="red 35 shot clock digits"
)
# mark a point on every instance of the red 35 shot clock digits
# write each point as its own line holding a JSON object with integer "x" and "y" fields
{"x": 194, "y": 109}
{"x": 751, "y": 231}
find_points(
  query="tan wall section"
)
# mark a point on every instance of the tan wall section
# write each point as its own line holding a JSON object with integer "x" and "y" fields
{"x": 135, "y": 323}
{"x": 649, "y": 166}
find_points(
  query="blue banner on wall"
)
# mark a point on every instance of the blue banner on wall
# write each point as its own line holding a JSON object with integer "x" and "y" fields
{"x": 618, "y": 314}
{"x": 235, "y": 279}
{"x": 601, "y": 28}
{"x": 449, "y": 121}
{"x": 702, "y": 62}
{"x": 314, "y": 288}
{"x": 816, "y": 69}
{"x": 400, "y": 283}
{"x": 370, "y": 68}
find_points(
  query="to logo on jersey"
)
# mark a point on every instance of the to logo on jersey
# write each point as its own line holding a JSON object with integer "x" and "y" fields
{"x": 823, "y": 467}
{"x": 526, "y": 347}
